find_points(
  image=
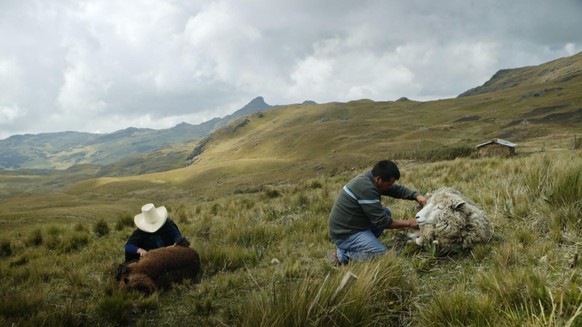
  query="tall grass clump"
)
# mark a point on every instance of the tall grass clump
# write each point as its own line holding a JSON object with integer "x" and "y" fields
{"x": 116, "y": 307}
{"x": 5, "y": 248}
{"x": 35, "y": 237}
{"x": 373, "y": 293}
{"x": 123, "y": 221}
{"x": 536, "y": 176}
{"x": 74, "y": 242}
{"x": 225, "y": 257}
{"x": 101, "y": 228}
{"x": 564, "y": 192}
{"x": 515, "y": 288}
{"x": 562, "y": 306}
{"x": 179, "y": 214}
{"x": 437, "y": 154}
{"x": 459, "y": 306}
{"x": 71, "y": 314}
{"x": 20, "y": 305}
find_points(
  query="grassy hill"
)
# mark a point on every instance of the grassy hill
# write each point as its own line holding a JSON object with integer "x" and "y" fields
{"x": 60, "y": 151}
{"x": 298, "y": 141}
{"x": 255, "y": 202}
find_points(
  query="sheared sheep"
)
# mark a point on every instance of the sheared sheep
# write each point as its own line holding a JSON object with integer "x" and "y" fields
{"x": 160, "y": 268}
{"x": 451, "y": 222}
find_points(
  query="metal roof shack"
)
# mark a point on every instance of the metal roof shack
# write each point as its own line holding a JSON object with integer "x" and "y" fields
{"x": 496, "y": 147}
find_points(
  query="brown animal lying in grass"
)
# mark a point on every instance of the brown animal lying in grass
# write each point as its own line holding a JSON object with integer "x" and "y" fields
{"x": 160, "y": 268}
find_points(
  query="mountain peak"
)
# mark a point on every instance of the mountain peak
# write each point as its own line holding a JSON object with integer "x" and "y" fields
{"x": 257, "y": 104}
{"x": 257, "y": 101}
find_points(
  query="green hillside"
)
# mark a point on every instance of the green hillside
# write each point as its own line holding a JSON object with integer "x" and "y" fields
{"x": 60, "y": 151}
{"x": 255, "y": 200}
{"x": 287, "y": 143}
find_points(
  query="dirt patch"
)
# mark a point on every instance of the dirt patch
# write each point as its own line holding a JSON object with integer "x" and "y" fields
{"x": 562, "y": 117}
{"x": 522, "y": 135}
{"x": 541, "y": 111}
{"x": 538, "y": 93}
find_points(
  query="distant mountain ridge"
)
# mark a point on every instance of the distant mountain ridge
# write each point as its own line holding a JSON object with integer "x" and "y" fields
{"x": 62, "y": 150}
{"x": 549, "y": 83}
{"x": 539, "y": 111}
{"x": 559, "y": 70}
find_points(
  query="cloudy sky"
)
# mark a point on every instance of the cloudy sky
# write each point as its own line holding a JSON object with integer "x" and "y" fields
{"x": 103, "y": 65}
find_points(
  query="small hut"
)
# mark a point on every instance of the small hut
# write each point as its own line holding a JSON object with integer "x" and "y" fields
{"x": 496, "y": 147}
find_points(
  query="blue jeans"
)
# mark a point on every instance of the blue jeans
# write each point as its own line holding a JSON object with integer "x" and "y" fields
{"x": 362, "y": 245}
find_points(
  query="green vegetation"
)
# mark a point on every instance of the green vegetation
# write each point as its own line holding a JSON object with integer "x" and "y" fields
{"x": 255, "y": 204}
{"x": 264, "y": 258}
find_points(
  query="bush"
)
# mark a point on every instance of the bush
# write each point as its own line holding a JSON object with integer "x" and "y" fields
{"x": 376, "y": 293}
{"x": 20, "y": 305}
{"x": 116, "y": 308}
{"x": 101, "y": 228}
{"x": 35, "y": 238}
{"x": 458, "y": 307}
{"x": 75, "y": 242}
{"x": 123, "y": 221}
{"x": 79, "y": 227}
{"x": 5, "y": 248}
{"x": 438, "y": 154}
{"x": 271, "y": 193}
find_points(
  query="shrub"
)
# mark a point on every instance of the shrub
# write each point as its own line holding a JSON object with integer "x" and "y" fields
{"x": 315, "y": 185}
{"x": 271, "y": 193}
{"x": 437, "y": 154}
{"x": 458, "y": 307}
{"x": 5, "y": 248}
{"x": 116, "y": 308}
{"x": 376, "y": 293}
{"x": 226, "y": 258}
{"x": 75, "y": 242}
{"x": 71, "y": 315}
{"x": 101, "y": 228}
{"x": 79, "y": 227}
{"x": 35, "y": 238}
{"x": 516, "y": 288}
{"x": 20, "y": 305}
{"x": 123, "y": 221}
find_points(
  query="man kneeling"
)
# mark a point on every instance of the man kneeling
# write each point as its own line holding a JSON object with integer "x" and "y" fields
{"x": 358, "y": 217}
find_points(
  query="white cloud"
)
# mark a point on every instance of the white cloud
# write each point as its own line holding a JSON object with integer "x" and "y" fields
{"x": 84, "y": 88}
{"x": 9, "y": 113}
{"x": 572, "y": 48}
{"x": 10, "y": 77}
{"x": 106, "y": 65}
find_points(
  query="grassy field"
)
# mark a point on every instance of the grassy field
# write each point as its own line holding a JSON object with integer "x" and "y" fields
{"x": 255, "y": 205}
{"x": 263, "y": 254}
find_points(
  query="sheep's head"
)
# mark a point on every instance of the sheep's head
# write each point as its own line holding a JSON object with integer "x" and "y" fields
{"x": 437, "y": 206}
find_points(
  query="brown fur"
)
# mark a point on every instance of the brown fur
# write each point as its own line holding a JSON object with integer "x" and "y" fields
{"x": 159, "y": 268}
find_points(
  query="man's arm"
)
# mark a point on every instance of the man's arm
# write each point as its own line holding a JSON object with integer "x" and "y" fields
{"x": 408, "y": 223}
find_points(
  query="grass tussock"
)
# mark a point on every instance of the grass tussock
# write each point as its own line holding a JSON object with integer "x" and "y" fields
{"x": 263, "y": 251}
{"x": 372, "y": 293}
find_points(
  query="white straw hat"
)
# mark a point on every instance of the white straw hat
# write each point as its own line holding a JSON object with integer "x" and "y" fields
{"x": 151, "y": 218}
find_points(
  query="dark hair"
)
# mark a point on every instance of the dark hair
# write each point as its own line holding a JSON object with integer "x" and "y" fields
{"x": 386, "y": 169}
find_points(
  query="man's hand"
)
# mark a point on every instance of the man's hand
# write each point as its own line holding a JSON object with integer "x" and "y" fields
{"x": 412, "y": 223}
{"x": 141, "y": 252}
{"x": 421, "y": 200}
